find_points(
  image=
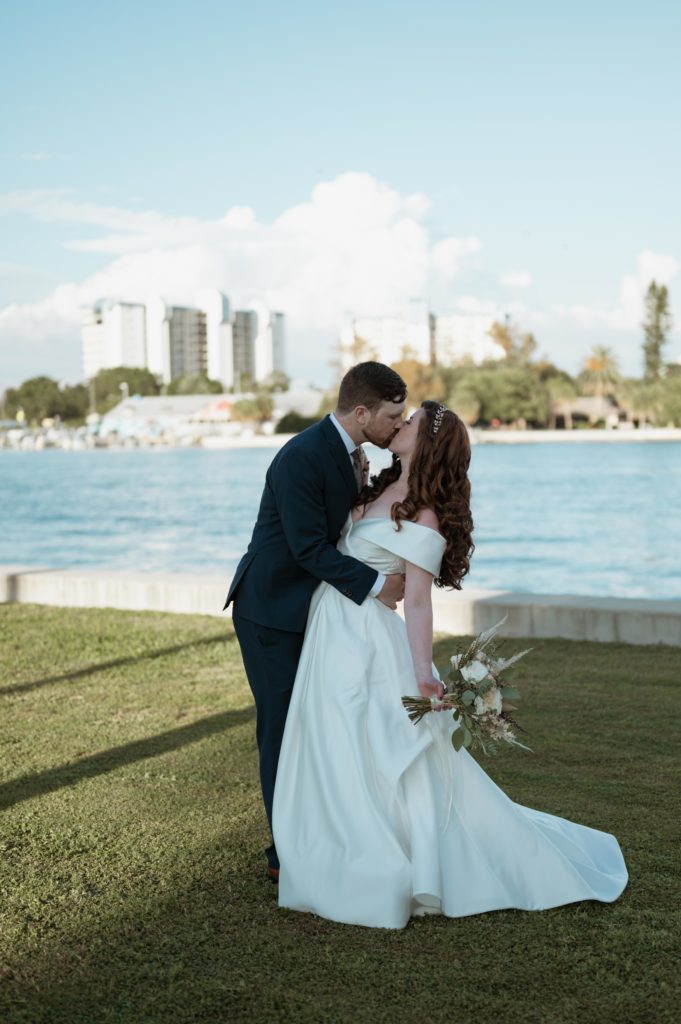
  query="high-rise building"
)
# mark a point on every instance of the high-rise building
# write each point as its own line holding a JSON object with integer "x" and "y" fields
{"x": 464, "y": 337}
{"x": 184, "y": 341}
{"x": 244, "y": 333}
{"x": 113, "y": 334}
{"x": 187, "y": 339}
{"x": 158, "y": 338}
{"x": 385, "y": 338}
{"x": 219, "y": 339}
{"x": 268, "y": 355}
{"x": 444, "y": 340}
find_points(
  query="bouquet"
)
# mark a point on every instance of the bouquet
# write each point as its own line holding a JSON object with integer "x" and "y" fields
{"x": 478, "y": 697}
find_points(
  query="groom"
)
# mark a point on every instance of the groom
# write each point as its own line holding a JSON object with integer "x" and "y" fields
{"x": 310, "y": 487}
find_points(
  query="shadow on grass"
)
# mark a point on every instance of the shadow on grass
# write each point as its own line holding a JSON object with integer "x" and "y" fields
{"x": 215, "y": 947}
{"x": 25, "y": 787}
{"x": 102, "y": 666}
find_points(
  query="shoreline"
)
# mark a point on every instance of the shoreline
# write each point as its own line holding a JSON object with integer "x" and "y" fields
{"x": 466, "y": 612}
{"x": 214, "y": 442}
{"x": 585, "y": 436}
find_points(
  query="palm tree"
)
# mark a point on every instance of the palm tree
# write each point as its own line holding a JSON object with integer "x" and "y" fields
{"x": 600, "y": 375}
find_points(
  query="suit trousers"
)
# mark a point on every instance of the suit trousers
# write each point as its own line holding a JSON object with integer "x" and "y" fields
{"x": 271, "y": 659}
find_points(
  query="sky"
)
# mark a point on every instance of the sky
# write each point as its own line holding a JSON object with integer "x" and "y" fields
{"x": 339, "y": 159}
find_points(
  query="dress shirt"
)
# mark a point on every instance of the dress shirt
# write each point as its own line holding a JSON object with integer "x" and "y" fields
{"x": 350, "y": 447}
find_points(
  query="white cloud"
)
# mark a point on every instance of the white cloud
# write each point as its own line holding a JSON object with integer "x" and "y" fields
{"x": 478, "y": 307}
{"x": 35, "y": 156}
{"x": 517, "y": 279}
{"x": 448, "y": 256}
{"x": 355, "y": 245}
{"x": 627, "y": 314}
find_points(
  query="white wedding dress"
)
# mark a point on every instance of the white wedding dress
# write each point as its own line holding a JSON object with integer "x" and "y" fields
{"x": 376, "y": 819}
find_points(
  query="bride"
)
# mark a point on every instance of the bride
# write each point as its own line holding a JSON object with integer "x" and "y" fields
{"x": 375, "y": 819}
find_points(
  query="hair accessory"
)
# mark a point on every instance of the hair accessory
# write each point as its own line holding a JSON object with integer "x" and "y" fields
{"x": 439, "y": 413}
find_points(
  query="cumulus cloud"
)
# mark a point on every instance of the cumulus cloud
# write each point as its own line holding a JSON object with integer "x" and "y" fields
{"x": 517, "y": 279}
{"x": 355, "y": 245}
{"x": 449, "y": 255}
{"x": 625, "y": 315}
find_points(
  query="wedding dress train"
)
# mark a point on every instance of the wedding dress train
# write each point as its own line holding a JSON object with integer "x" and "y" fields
{"x": 376, "y": 819}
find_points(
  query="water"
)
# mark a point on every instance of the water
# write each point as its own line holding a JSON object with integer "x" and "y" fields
{"x": 597, "y": 518}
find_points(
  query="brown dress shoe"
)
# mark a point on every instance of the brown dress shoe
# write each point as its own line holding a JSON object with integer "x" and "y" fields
{"x": 273, "y": 875}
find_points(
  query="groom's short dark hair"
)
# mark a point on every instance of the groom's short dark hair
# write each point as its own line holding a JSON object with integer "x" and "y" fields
{"x": 369, "y": 384}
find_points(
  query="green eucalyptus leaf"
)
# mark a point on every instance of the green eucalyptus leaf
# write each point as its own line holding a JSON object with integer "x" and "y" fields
{"x": 457, "y": 739}
{"x": 467, "y": 697}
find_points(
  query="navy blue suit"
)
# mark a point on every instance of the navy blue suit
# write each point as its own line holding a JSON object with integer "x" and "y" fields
{"x": 309, "y": 489}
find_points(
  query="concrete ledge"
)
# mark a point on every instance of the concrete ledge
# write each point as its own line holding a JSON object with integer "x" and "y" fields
{"x": 470, "y": 611}
{"x": 104, "y": 588}
{"x": 605, "y": 619}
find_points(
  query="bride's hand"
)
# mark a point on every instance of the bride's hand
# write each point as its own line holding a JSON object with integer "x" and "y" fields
{"x": 431, "y": 687}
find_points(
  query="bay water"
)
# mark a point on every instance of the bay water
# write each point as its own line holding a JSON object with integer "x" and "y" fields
{"x": 597, "y": 518}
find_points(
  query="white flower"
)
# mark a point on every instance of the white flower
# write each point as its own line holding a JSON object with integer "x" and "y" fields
{"x": 492, "y": 700}
{"x": 479, "y": 706}
{"x": 474, "y": 672}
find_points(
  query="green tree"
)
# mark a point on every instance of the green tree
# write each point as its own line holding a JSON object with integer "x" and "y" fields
{"x": 276, "y": 382}
{"x": 519, "y": 347}
{"x": 196, "y": 385}
{"x": 668, "y": 410}
{"x": 422, "y": 380}
{"x": 638, "y": 398}
{"x": 75, "y": 402}
{"x": 600, "y": 375}
{"x": 292, "y": 423}
{"x": 512, "y": 394}
{"x": 257, "y": 409}
{"x": 107, "y": 385}
{"x": 656, "y": 325}
{"x": 39, "y": 397}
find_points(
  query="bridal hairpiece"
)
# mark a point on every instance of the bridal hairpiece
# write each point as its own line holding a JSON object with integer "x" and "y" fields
{"x": 439, "y": 413}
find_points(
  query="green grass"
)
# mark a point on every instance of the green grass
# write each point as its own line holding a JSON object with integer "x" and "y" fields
{"x": 131, "y": 875}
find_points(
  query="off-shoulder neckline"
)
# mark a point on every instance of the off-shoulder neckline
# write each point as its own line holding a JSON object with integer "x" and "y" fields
{"x": 389, "y": 519}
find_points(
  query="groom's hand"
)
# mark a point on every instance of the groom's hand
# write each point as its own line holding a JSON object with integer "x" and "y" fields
{"x": 393, "y": 590}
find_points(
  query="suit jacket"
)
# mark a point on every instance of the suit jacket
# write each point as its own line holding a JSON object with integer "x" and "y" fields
{"x": 309, "y": 489}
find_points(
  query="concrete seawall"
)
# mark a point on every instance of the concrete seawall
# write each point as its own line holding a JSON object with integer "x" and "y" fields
{"x": 470, "y": 611}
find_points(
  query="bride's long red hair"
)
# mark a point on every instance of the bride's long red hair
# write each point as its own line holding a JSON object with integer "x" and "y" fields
{"x": 438, "y": 479}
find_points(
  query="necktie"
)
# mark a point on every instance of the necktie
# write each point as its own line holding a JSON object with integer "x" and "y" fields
{"x": 356, "y": 457}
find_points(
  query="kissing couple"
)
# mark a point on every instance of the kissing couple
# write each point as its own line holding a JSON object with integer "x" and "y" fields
{"x": 374, "y": 819}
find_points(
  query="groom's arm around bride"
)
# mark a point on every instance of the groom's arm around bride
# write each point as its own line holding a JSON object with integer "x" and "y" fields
{"x": 310, "y": 488}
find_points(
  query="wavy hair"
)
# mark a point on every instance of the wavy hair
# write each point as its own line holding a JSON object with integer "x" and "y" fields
{"x": 438, "y": 479}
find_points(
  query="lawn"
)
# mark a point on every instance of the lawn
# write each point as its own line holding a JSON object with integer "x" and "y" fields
{"x": 132, "y": 882}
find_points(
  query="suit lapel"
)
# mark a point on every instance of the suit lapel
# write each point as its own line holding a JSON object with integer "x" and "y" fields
{"x": 340, "y": 457}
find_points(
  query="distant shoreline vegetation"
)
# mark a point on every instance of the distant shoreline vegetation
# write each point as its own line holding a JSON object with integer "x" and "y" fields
{"x": 520, "y": 390}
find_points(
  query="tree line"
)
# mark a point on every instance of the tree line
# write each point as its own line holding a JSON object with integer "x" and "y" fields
{"x": 526, "y": 390}
{"x": 42, "y": 397}
{"x": 521, "y": 388}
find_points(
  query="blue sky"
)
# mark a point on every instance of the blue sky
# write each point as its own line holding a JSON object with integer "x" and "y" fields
{"x": 523, "y": 139}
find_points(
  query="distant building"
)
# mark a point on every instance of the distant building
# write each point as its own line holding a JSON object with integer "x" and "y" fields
{"x": 464, "y": 337}
{"x": 113, "y": 334}
{"x": 269, "y": 343}
{"x": 184, "y": 341}
{"x": 176, "y": 341}
{"x": 445, "y": 340}
{"x": 219, "y": 336}
{"x": 258, "y": 340}
{"x": 245, "y": 332}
